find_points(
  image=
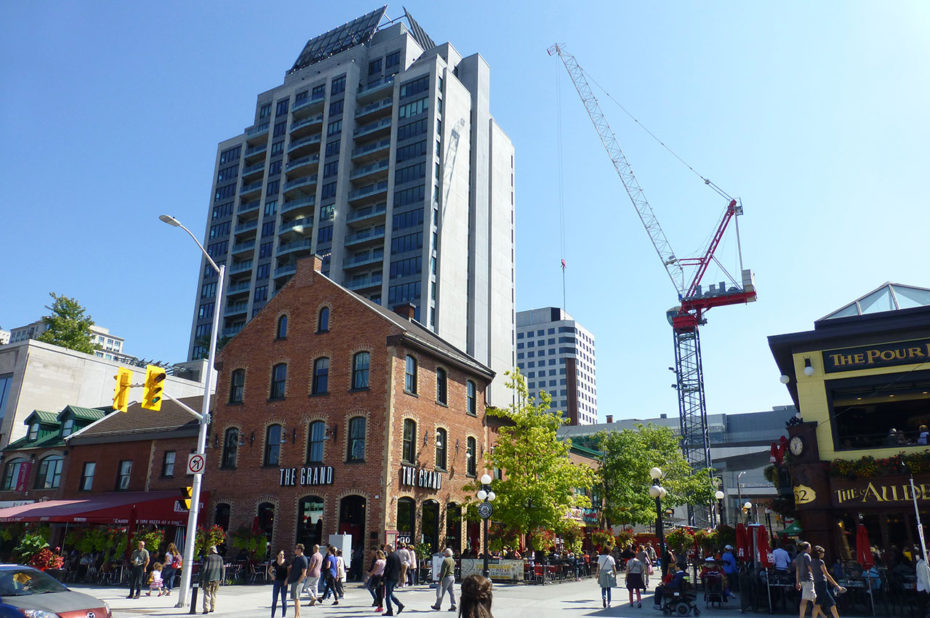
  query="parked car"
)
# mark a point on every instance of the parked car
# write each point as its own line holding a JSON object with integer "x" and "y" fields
{"x": 38, "y": 595}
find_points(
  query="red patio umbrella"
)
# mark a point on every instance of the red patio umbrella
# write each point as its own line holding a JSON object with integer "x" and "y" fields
{"x": 743, "y": 542}
{"x": 763, "y": 547}
{"x": 863, "y": 548}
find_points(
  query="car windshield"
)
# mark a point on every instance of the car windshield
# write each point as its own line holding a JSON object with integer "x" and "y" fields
{"x": 24, "y": 582}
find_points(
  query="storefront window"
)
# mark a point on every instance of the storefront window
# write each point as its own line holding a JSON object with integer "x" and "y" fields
{"x": 406, "y": 519}
{"x": 310, "y": 521}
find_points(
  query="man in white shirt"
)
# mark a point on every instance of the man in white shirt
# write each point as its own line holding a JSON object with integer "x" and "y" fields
{"x": 404, "y": 556}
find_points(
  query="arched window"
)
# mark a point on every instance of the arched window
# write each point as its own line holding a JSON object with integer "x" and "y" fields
{"x": 406, "y": 518}
{"x": 410, "y": 375}
{"x": 320, "y": 376}
{"x": 230, "y": 447}
{"x": 315, "y": 442}
{"x": 471, "y": 458}
{"x": 441, "y": 391}
{"x": 310, "y": 521}
{"x": 272, "y": 445}
{"x": 322, "y": 323}
{"x": 282, "y": 327}
{"x": 441, "y": 448}
{"x": 471, "y": 404}
{"x": 236, "y": 386}
{"x": 356, "y": 442}
{"x": 11, "y": 474}
{"x": 266, "y": 525}
{"x": 360, "y": 364}
{"x": 409, "y": 454}
{"x": 49, "y": 476}
{"x": 278, "y": 381}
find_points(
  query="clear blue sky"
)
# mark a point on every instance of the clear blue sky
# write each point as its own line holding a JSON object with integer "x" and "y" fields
{"x": 814, "y": 114}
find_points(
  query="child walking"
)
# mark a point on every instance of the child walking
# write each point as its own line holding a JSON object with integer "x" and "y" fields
{"x": 155, "y": 580}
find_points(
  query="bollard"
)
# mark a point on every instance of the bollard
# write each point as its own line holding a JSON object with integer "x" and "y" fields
{"x": 195, "y": 586}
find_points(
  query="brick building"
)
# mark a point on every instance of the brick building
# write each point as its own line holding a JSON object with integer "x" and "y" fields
{"x": 336, "y": 415}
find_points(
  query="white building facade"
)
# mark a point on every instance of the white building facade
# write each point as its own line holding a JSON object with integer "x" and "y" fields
{"x": 556, "y": 354}
{"x": 378, "y": 153}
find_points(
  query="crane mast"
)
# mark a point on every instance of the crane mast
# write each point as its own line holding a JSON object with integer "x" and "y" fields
{"x": 685, "y": 318}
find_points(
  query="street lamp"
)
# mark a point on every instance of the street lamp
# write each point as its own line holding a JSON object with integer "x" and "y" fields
{"x": 719, "y": 496}
{"x": 747, "y": 508}
{"x": 191, "y": 535}
{"x": 658, "y": 492}
{"x": 484, "y": 510}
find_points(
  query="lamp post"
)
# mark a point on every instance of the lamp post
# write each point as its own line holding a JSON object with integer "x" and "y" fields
{"x": 658, "y": 492}
{"x": 721, "y": 507}
{"x": 747, "y": 508}
{"x": 484, "y": 510}
{"x": 191, "y": 534}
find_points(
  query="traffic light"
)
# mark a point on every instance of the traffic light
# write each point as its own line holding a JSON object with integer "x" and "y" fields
{"x": 154, "y": 385}
{"x": 121, "y": 394}
{"x": 185, "y": 500}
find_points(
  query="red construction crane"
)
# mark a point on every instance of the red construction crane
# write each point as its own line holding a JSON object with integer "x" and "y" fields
{"x": 694, "y": 302}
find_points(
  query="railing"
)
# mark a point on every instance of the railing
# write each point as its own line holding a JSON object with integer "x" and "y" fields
{"x": 370, "y": 233}
{"x": 239, "y": 287}
{"x": 307, "y": 121}
{"x": 305, "y": 222}
{"x": 364, "y": 259}
{"x": 232, "y": 331}
{"x": 373, "y": 107}
{"x": 305, "y": 103}
{"x": 368, "y": 190}
{"x": 248, "y": 225}
{"x": 255, "y": 186}
{"x": 293, "y": 246}
{"x": 374, "y": 126}
{"x": 302, "y": 161}
{"x": 243, "y": 246}
{"x": 367, "y": 211}
{"x": 256, "y": 149}
{"x": 368, "y": 169}
{"x": 240, "y": 267}
{"x": 366, "y": 282}
{"x": 303, "y": 142}
{"x": 284, "y": 271}
{"x": 299, "y": 182}
{"x": 236, "y": 308}
{"x": 258, "y": 167}
{"x": 248, "y": 206}
{"x": 385, "y": 143}
{"x": 304, "y": 201}
{"x": 387, "y": 81}
{"x": 257, "y": 129}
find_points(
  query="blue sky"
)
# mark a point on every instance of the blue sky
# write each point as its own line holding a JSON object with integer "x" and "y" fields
{"x": 814, "y": 114}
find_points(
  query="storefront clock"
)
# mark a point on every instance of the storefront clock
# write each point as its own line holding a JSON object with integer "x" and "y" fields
{"x": 485, "y": 509}
{"x": 796, "y": 446}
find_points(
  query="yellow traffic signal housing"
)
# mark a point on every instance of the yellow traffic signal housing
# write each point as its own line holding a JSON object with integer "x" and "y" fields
{"x": 185, "y": 501}
{"x": 154, "y": 385}
{"x": 121, "y": 394}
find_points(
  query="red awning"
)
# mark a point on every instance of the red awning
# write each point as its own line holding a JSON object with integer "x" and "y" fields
{"x": 147, "y": 507}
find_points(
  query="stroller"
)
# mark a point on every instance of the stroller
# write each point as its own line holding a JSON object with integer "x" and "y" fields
{"x": 713, "y": 590}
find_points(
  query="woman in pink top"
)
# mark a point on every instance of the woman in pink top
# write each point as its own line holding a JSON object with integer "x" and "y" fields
{"x": 376, "y": 580}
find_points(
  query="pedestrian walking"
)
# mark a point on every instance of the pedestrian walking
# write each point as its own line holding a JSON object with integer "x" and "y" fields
{"x": 412, "y": 566}
{"x": 171, "y": 567}
{"x": 155, "y": 580}
{"x": 312, "y": 580}
{"x": 606, "y": 575}
{"x": 210, "y": 576}
{"x": 392, "y": 574}
{"x": 277, "y": 570}
{"x": 330, "y": 572}
{"x": 643, "y": 557}
{"x": 804, "y": 577}
{"x": 635, "y": 570}
{"x": 138, "y": 562}
{"x": 296, "y": 574}
{"x": 825, "y": 600}
{"x": 476, "y": 596}
{"x": 376, "y": 581}
{"x": 340, "y": 573}
{"x": 446, "y": 581}
{"x": 404, "y": 563}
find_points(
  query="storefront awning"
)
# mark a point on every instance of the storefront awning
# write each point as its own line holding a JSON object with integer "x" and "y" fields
{"x": 153, "y": 507}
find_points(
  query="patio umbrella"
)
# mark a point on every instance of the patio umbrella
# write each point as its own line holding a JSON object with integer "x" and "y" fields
{"x": 743, "y": 542}
{"x": 863, "y": 549}
{"x": 763, "y": 547}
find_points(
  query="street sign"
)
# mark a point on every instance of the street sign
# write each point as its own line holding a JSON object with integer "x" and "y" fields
{"x": 196, "y": 463}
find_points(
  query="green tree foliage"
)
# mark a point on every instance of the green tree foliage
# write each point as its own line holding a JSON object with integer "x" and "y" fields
{"x": 624, "y": 474}
{"x": 539, "y": 481}
{"x": 68, "y": 325}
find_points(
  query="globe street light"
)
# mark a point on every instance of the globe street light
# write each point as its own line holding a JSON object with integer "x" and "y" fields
{"x": 191, "y": 534}
{"x": 719, "y": 495}
{"x": 658, "y": 492}
{"x": 486, "y": 495}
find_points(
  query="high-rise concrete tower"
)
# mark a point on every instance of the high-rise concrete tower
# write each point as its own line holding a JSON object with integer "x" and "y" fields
{"x": 379, "y": 153}
{"x": 556, "y": 354}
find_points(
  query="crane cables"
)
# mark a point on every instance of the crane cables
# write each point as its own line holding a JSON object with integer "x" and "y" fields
{"x": 558, "y": 103}
{"x": 707, "y": 181}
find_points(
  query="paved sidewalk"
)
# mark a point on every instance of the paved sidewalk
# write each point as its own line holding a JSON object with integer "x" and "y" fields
{"x": 571, "y": 599}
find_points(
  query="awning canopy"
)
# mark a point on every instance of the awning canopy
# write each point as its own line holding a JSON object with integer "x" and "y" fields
{"x": 140, "y": 507}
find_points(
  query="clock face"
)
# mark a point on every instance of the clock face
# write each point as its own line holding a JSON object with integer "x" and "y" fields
{"x": 485, "y": 509}
{"x": 796, "y": 445}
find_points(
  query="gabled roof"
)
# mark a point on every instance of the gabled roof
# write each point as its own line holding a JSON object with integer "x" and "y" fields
{"x": 84, "y": 414}
{"x": 886, "y": 297}
{"x": 43, "y": 417}
{"x": 140, "y": 424}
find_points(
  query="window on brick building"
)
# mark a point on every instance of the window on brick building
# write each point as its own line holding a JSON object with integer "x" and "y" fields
{"x": 167, "y": 463}
{"x": 320, "y": 376}
{"x": 441, "y": 448}
{"x": 356, "y": 442}
{"x": 471, "y": 403}
{"x": 12, "y": 472}
{"x": 49, "y": 476}
{"x": 278, "y": 381}
{"x": 87, "y": 476}
{"x": 409, "y": 454}
{"x": 230, "y": 448}
{"x": 316, "y": 436}
{"x": 124, "y": 475}
{"x": 470, "y": 457}
{"x": 410, "y": 376}
{"x": 322, "y": 323}
{"x": 282, "y": 327}
{"x": 360, "y": 364}
{"x": 441, "y": 386}
{"x": 272, "y": 445}
{"x": 221, "y": 515}
{"x": 236, "y": 386}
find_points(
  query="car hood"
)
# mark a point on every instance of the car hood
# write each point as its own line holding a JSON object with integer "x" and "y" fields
{"x": 57, "y": 602}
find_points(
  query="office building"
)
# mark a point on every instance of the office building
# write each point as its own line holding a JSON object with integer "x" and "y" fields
{"x": 378, "y": 153}
{"x": 110, "y": 347}
{"x": 556, "y": 354}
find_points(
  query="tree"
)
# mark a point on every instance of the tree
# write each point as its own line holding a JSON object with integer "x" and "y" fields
{"x": 68, "y": 325}
{"x": 539, "y": 481}
{"x": 628, "y": 456}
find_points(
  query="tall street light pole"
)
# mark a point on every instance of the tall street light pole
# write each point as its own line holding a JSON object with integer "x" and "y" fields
{"x": 191, "y": 534}
{"x": 658, "y": 492}
{"x": 484, "y": 510}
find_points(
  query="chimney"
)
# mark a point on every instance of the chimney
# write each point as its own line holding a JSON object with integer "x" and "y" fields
{"x": 406, "y": 311}
{"x": 610, "y": 418}
{"x": 317, "y": 263}
{"x": 663, "y": 416}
